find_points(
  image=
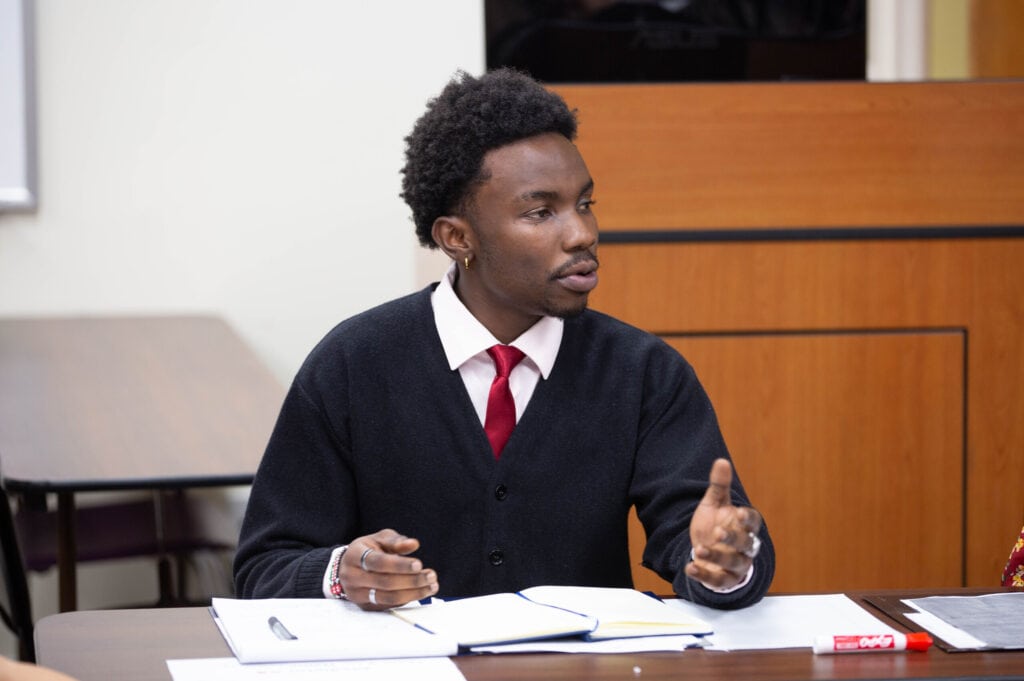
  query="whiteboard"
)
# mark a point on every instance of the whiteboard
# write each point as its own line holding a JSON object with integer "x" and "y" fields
{"x": 17, "y": 107}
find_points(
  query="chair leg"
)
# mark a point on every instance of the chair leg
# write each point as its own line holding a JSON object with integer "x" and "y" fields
{"x": 67, "y": 551}
{"x": 182, "y": 565}
{"x": 15, "y": 583}
{"x": 165, "y": 579}
{"x": 26, "y": 649}
{"x": 165, "y": 574}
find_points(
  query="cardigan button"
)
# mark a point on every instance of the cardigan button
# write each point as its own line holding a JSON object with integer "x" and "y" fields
{"x": 497, "y": 557}
{"x": 500, "y": 492}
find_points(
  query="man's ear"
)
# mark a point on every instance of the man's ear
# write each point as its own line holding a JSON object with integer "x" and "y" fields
{"x": 453, "y": 235}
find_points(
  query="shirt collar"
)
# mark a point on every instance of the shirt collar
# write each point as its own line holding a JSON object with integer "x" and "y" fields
{"x": 463, "y": 336}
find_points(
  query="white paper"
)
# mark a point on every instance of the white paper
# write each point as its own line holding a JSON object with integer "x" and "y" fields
{"x": 784, "y": 621}
{"x": 229, "y": 669}
{"x": 497, "y": 618}
{"x": 620, "y": 613}
{"x": 994, "y": 619}
{"x": 947, "y": 632}
{"x": 323, "y": 629}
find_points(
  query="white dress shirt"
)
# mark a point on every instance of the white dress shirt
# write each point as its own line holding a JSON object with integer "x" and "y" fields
{"x": 466, "y": 340}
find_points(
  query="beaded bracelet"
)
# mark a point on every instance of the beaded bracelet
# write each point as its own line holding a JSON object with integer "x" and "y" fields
{"x": 337, "y": 590}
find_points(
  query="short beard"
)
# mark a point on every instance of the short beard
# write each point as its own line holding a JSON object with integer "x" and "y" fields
{"x": 570, "y": 313}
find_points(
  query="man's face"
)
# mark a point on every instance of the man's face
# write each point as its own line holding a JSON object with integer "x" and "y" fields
{"x": 535, "y": 233}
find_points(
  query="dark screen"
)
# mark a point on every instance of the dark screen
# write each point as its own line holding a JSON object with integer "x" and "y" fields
{"x": 594, "y": 41}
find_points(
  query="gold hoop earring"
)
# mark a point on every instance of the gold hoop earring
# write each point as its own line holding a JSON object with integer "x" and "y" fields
{"x": 467, "y": 263}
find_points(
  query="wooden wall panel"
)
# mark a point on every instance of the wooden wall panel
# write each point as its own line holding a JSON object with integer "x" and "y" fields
{"x": 975, "y": 285}
{"x": 836, "y": 435}
{"x": 997, "y": 50}
{"x": 719, "y": 205}
{"x": 803, "y": 155}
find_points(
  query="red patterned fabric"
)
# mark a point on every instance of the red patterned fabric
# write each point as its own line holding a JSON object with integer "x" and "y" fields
{"x": 1013, "y": 573}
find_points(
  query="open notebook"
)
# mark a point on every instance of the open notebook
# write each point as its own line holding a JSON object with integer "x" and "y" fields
{"x": 594, "y": 613}
{"x": 290, "y": 630}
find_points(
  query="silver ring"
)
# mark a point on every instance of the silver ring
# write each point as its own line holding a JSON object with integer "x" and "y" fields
{"x": 755, "y": 546}
{"x": 362, "y": 560}
{"x": 373, "y": 596}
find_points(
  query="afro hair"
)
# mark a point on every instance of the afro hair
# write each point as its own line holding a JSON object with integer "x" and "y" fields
{"x": 472, "y": 116}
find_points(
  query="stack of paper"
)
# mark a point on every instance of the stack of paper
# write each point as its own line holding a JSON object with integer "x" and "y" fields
{"x": 306, "y": 629}
{"x": 229, "y": 669}
{"x": 989, "y": 621}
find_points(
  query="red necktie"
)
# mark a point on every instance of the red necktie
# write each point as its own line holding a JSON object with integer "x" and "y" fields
{"x": 501, "y": 408}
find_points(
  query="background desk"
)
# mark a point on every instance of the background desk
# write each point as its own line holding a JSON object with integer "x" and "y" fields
{"x": 134, "y": 644}
{"x": 94, "y": 404}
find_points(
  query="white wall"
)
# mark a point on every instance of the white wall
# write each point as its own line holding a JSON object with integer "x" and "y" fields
{"x": 239, "y": 157}
{"x": 897, "y": 40}
{"x": 233, "y": 156}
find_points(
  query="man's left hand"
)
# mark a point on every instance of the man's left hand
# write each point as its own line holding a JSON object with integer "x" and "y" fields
{"x": 723, "y": 536}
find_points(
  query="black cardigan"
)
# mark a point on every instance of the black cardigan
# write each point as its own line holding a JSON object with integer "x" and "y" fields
{"x": 376, "y": 431}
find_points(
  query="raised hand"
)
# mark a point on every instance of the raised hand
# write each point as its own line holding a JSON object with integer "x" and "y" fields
{"x": 723, "y": 536}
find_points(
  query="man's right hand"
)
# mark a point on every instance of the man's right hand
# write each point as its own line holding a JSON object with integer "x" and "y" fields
{"x": 377, "y": 572}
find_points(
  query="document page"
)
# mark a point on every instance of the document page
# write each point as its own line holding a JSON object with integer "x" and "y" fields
{"x": 306, "y": 629}
{"x": 785, "y": 621}
{"x": 620, "y": 613}
{"x": 994, "y": 620}
{"x": 229, "y": 669}
{"x": 495, "y": 619}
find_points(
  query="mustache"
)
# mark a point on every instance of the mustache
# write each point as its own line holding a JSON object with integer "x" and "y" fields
{"x": 589, "y": 258}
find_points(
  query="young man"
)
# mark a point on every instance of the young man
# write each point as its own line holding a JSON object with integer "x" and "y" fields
{"x": 398, "y": 422}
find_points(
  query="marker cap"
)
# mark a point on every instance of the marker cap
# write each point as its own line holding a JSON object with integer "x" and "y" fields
{"x": 918, "y": 641}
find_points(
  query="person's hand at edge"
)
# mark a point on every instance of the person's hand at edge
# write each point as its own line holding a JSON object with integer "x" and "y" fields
{"x": 11, "y": 670}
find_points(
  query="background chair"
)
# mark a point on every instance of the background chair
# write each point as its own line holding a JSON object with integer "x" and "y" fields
{"x": 170, "y": 526}
{"x": 15, "y": 607}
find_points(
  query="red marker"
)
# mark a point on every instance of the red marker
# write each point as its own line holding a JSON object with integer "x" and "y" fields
{"x": 872, "y": 642}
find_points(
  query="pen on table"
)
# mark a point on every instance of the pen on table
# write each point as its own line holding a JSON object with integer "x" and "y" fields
{"x": 280, "y": 631}
{"x": 866, "y": 643}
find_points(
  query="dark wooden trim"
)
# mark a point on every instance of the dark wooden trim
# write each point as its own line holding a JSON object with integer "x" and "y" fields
{"x": 648, "y": 236}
